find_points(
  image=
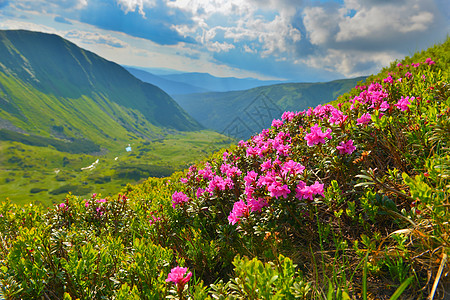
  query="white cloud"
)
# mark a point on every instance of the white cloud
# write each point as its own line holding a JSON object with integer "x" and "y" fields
{"x": 265, "y": 24}
{"x": 49, "y": 6}
{"x": 13, "y": 24}
{"x": 86, "y": 37}
{"x": 386, "y": 21}
{"x": 133, "y": 5}
{"x": 320, "y": 24}
{"x": 361, "y": 36}
{"x": 220, "y": 47}
{"x": 351, "y": 63}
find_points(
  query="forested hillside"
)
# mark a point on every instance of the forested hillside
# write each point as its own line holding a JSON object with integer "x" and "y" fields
{"x": 242, "y": 114}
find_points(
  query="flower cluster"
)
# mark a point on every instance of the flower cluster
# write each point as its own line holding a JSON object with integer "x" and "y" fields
{"x": 268, "y": 169}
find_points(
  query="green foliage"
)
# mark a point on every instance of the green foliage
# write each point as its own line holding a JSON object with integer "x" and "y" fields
{"x": 371, "y": 222}
{"x": 254, "y": 279}
{"x": 75, "y": 146}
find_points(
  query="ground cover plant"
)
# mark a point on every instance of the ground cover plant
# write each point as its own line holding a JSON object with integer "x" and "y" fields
{"x": 342, "y": 201}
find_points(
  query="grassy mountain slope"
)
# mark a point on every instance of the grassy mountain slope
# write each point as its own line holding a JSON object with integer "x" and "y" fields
{"x": 46, "y": 81}
{"x": 62, "y": 108}
{"x": 257, "y": 107}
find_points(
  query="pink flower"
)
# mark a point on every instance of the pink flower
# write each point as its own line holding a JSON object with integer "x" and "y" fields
{"x": 346, "y": 147}
{"x": 176, "y": 275}
{"x": 288, "y": 115}
{"x": 100, "y": 200}
{"x": 429, "y": 61}
{"x": 278, "y": 189}
{"x": 307, "y": 192}
{"x": 199, "y": 192}
{"x": 257, "y": 205}
{"x": 365, "y": 119}
{"x": 317, "y": 136}
{"x": 240, "y": 209}
{"x": 277, "y": 123}
{"x": 337, "y": 117}
{"x": 206, "y": 173}
{"x": 250, "y": 178}
{"x": 266, "y": 165}
{"x": 62, "y": 205}
{"x": 384, "y": 106}
{"x": 403, "y": 103}
{"x": 86, "y": 204}
{"x": 388, "y": 79}
{"x": 292, "y": 167}
{"x": 178, "y": 198}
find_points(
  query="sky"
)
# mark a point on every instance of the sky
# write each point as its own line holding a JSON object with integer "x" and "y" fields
{"x": 295, "y": 40}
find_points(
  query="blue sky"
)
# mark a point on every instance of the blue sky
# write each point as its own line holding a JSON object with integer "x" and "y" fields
{"x": 297, "y": 40}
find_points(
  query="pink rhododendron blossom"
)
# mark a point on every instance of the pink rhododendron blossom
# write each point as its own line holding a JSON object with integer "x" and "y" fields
{"x": 403, "y": 103}
{"x": 86, "y": 204}
{"x": 399, "y": 65}
{"x": 100, "y": 200}
{"x": 317, "y": 136}
{"x": 408, "y": 75}
{"x": 230, "y": 170}
{"x": 252, "y": 151}
{"x": 239, "y": 210}
{"x": 277, "y": 123}
{"x": 278, "y": 189}
{"x": 250, "y": 178}
{"x": 429, "y": 61}
{"x": 199, "y": 192}
{"x": 337, "y": 117}
{"x": 384, "y": 106}
{"x": 308, "y": 192}
{"x": 184, "y": 180}
{"x": 178, "y": 198}
{"x": 62, "y": 205}
{"x": 257, "y": 205}
{"x": 292, "y": 168}
{"x": 225, "y": 156}
{"x": 364, "y": 119}
{"x": 267, "y": 165}
{"x": 389, "y": 79}
{"x": 288, "y": 115}
{"x": 346, "y": 147}
{"x": 206, "y": 172}
{"x": 176, "y": 276}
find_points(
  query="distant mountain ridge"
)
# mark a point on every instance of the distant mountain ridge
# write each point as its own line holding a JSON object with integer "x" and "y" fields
{"x": 52, "y": 88}
{"x": 189, "y": 83}
{"x": 169, "y": 86}
{"x": 243, "y": 113}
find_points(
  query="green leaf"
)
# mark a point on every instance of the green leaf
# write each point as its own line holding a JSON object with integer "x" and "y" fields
{"x": 401, "y": 288}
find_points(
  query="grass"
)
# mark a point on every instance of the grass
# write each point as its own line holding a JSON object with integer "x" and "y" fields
{"x": 24, "y": 167}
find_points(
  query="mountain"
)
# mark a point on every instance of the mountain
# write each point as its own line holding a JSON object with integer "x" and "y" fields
{"x": 68, "y": 115}
{"x": 218, "y": 84}
{"x": 50, "y": 87}
{"x": 243, "y": 113}
{"x": 169, "y": 86}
